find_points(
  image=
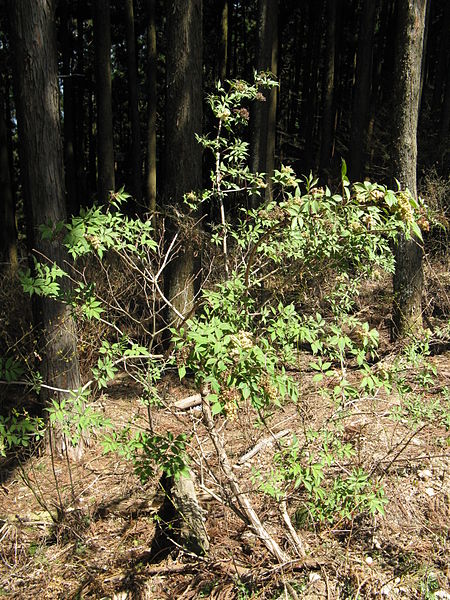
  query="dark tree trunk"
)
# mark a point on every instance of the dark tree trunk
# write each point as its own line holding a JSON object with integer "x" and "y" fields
{"x": 73, "y": 205}
{"x": 8, "y": 237}
{"x": 309, "y": 82}
{"x": 41, "y": 156}
{"x": 223, "y": 41}
{"x": 133, "y": 103}
{"x": 79, "y": 85}
{"x": 264, "y": 113}
{"x": 152, "y": 109}
{"x": 362, "y": 90}
{"x": 105, "y": 144}
{"x": 442, "y": 58}
{"x": 408, "y": 277}
{"x": 183, "y": 155}
{"x": 326, "y": 148}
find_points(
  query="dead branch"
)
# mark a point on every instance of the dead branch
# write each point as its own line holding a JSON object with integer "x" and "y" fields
{"x": 241, "y": 497}
{"x": 265, "y": 443}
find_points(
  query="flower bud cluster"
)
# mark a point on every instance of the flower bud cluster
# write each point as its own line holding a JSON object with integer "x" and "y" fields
{"x": 404, "y": 207}
{"x": 268, "y": 387}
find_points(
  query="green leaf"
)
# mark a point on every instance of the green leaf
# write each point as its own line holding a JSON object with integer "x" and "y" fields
{"x": 416, "y": 230}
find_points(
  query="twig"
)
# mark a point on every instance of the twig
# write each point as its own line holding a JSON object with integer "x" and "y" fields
{"x": 298, "y": 544}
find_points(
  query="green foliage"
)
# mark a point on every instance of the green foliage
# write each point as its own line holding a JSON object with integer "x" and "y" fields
{"x": 150, "y": 452}
{"x": 307, "y": 470}
{"x": 19, "y": 429}
{"x": 11, "y": 369}
{"x": 74, "y": 417}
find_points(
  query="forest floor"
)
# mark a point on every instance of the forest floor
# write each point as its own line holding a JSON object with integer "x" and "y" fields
{"x": 100, "y": 549}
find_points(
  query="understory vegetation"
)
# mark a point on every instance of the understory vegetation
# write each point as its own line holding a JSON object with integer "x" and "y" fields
{"x": 312, "y": 442}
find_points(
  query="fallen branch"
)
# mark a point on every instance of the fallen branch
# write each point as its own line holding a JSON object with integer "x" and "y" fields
{"x": 266, "y": 442}
{"x": 240, "y": 497}
{"x": 188, "y": 402}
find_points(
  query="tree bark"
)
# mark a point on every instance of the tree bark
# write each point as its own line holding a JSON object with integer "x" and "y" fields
{"x": 408, "y": 277}
{"x": 73, "y": 205}
{"x": 41, "y": 157}
{"x": 133, "y": 103}
{"x": 183, "y": 155}
{"x": 362, "y": 90}
{"x": 8, "y": 238}
{"x": 264, "y": 113}
{"x": 152, "y": 108}
{"x": 223, "y": 41}
{"x": 326, "y": 148}
{"x": 105, "y": 143}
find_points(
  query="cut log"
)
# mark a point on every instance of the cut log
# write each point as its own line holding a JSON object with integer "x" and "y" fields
{"x": 188, "y": 402}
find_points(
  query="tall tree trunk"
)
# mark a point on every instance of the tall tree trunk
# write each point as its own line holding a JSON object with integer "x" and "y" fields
{"x": 264, "y": 113}
{"x": 328, "y": 90}
{"x": 79, "y": 85}
{"x": 223, "y": 41}
{"x": 442, "y": 66}
{"x": 73, "y": 205}
{"x": 183, "y": 173}
{"x": 183, "y": 155}
{"x": 8, "y": 237}
{"x": 133, "y": 103}
{"x": 361, "y": 94}
{"x": 105, "y": 143}
{"x": 152, "y": 108}
{"x": 41, "y": 156}
{"x": 408, "y": 277}
{"x": 309, "y": 81}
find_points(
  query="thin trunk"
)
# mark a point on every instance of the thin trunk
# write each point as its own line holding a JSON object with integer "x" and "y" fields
{"x": 442, "y": 59}
{"x": 309, "y": 82}
{"x": 69, "y": 112}
{"x": 264, "y": 113}
{"x": 223, "y": 41}
{"x": 79, "y": 85}
{"x": 105, "y": 144}
{"x": 408, "y": 277}
{"x": 8, "y": 237}
{"x": 135, "y": 153}
{"x": 362, "y": 89}
{"x": 328, "y": 93}
{"x": 152, "y": 109}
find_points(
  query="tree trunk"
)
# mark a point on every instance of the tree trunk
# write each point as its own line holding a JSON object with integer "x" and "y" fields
{"x": 408, "y": 277}
{"x": 79, "y": 85}
{"x": 41, "y": 156}
{"x": 105, "y": 144}
{"x": 183, "y": 155}
{"x": 309, "y": 82}
{"x": 328, "y": 90}
{"x": 441, "y": 69}
{"x": 223, "y": 42}
{"x": 133, "y": 103}
{"x": 73, "y": 205}
{"x": 264, "y": 113}
{"x": 362, "y": 90}
{"x": 152, "y": 108}
{"x": 8, "y": 238}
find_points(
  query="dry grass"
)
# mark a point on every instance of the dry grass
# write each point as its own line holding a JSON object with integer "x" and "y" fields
{"x": 101, "y": 546}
